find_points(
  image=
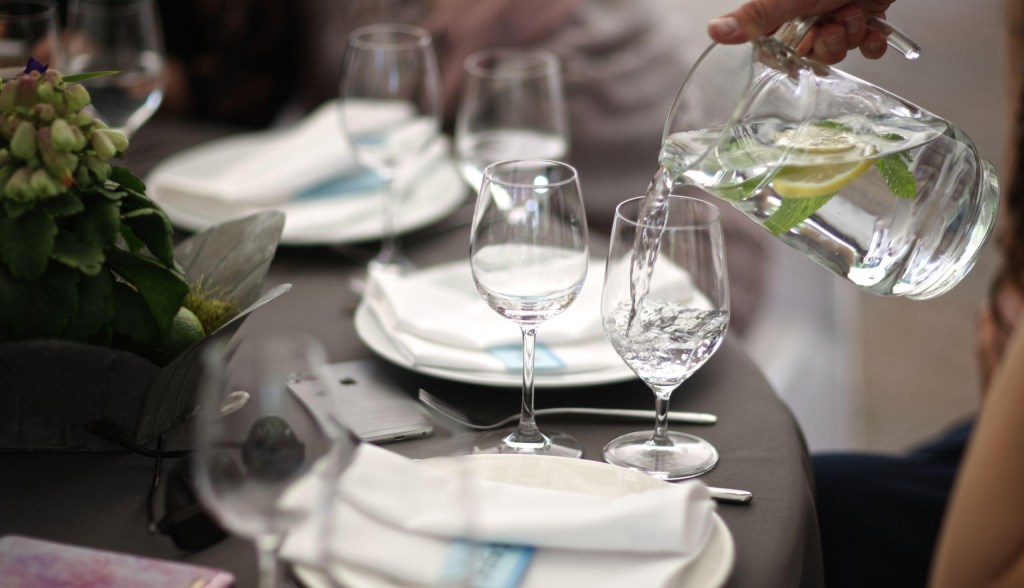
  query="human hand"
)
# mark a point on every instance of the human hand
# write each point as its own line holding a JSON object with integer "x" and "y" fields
{"x": 995, "y": 323}
{"x": 842, "y": 26}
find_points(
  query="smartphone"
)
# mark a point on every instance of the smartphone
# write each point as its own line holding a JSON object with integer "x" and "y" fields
{"x": 370, "y": 404}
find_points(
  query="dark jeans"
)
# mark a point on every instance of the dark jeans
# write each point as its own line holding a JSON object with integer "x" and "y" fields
{"x": 880, "y": 515}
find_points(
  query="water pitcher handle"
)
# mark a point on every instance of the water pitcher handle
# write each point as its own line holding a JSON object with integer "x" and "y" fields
{"x": 795, "y": 30}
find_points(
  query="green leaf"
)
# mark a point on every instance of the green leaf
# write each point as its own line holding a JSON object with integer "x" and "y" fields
{"x": 84, "y": 257}
{"x": 794, "y": 211}
{"x": 65, "y": 204}
{"x": 16, "y": 209}
{"x": 26, "y": 243}
{"x": 111, "y": 193}
{"x": 124, "y": 177}
{"x": 95, "y": 310}
{"x": 90, "y": 75}
{"x": 161, "y": 289}
{"x": 39, "y": 309}
{"x": 831, "y": 124}
{"x": 151, "y": 226}
{"x": 133, "y": 243}
{"x": 132, "y": 317}
{"x": 897, "y": 174}
{"x": 98, "y": 223}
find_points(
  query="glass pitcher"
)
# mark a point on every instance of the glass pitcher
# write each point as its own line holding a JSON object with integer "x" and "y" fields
{"x": 880, "y": 191}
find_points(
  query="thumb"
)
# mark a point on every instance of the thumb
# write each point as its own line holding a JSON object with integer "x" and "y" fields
{"x": 760, "y": 17}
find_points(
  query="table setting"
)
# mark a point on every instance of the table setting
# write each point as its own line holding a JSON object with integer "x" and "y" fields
{"x": 498, "y": 321}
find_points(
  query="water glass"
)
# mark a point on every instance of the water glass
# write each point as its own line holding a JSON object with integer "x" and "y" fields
{"x": 390, "y": 76}
{"x": 512, "y": 107}
{"x": 665, "y": 314}
{"x": 529, "y": 255}
{"x": 121, "y": 35}
{"x": 28, "y": 28}
{"x": 263, "y": 470}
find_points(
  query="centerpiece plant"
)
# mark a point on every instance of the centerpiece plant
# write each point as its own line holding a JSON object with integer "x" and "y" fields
{"x": 85, "y": 255}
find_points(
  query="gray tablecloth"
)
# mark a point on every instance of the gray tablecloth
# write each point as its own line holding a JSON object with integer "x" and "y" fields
{"x": 100, "y": 499}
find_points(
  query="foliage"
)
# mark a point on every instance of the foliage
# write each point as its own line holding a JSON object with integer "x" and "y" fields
{"x": 85, "y": 255}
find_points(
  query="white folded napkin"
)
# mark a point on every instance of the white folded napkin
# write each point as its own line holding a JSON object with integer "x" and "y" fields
{"x": 437, "y": 318}
{"x": 400, "y": 520}
{"x": 289, "y": 161}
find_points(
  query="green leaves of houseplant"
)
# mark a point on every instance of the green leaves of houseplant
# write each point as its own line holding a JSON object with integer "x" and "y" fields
{"x": 85, "y": 255}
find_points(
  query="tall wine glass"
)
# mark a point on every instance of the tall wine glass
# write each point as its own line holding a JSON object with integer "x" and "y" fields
{"x": 122, "y": 35}
{"x": 681, "y": 315}
{"x": 391, "y": 76}
{"x": 513, "y": 107}
{"x": 28, "y": 28}
{"x": 528, "y": 254}
{"x": 248, "y": 465}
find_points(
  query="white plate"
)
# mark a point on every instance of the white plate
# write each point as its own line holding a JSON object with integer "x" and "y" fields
{"x": 328, "y": 219}
{"x": 371, "y": 332}
{"x": 709, "y": 569}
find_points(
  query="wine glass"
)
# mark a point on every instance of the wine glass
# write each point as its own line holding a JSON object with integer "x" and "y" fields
{"x": 529, "y": 254}
{"x": 665, "y": 314}
{"x": 391, "y": 108}
{"x": 513, "y": 107}
{"x": 121, "y": 35}
{"x": 28, "y": 28}
{"x": 250, "y": 465}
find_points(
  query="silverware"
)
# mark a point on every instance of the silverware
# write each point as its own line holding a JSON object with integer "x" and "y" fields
{"x": 450, "y": 412}
{"x": 730, "y": 495}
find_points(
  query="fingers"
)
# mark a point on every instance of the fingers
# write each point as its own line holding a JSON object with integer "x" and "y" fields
{"x": 874, "y": 45}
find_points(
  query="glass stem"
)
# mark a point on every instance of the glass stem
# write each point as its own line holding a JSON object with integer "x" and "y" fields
{"x": 661, "y": 420}
{"x": 270, "y": 571}
{"x": 527, "y": 431}
{"x": 391, "y": 251}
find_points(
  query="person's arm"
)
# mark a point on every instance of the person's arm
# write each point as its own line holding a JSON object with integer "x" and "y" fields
{"x": 841, "y": 26}
{"x": 982, "y": 539}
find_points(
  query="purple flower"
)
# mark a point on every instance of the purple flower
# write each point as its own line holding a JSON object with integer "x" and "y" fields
{"x": 34, "y": 65}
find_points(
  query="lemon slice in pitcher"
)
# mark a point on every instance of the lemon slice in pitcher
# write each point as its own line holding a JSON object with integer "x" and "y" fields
{"x": 817, "y": 139}
{"x": 810, "y": 181}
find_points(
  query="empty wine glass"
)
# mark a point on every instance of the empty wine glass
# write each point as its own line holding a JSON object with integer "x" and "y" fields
{"x": 529, "y": 254}
{"x": 121, "y": 35}
{"x": 513, "y": 107}
{"x": 28, "y": 28}
{"x": 391, "y": 108}
{"x": 665, "y": 314}
{"x": 250, "y": 465}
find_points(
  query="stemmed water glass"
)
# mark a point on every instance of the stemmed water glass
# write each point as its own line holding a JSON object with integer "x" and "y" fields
{"x": 250, "y": 465}
{"x": 529, "y": 254}
{"x": 512, "y": 107}
{"x": 28, "y": 28}
{"x": 390, "y": 78}
{"x": 121, "y": 35}
{"x": 665, "y": 314}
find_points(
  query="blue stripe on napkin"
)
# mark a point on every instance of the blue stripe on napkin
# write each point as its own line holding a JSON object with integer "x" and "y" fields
{"x": 492, "y": 565}
{"x": 359, "y": 182}
{"x": 512, "y": 357}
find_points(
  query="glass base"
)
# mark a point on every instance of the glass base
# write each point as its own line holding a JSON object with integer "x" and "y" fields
{"x": 686, "y": 457}
{"x": 554, "y": 443}
{"x": 396, "y": 265}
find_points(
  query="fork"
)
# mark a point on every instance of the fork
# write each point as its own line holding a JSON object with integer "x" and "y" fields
{"x": 454, "y": 414}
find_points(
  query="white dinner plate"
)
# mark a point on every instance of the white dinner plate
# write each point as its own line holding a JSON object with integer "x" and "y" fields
{"x": 372, "y": 333}
{"x": 709, "y": 569}
{"x": 345, "y": 211}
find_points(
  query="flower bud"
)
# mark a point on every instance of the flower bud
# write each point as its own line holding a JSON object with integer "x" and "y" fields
{"x": 77, "y": 97}
{"x": 44, "y": 112}
{"x": 43, "y": 185}
{"x": 25, "y": 95}
{"x": 60, "y": 135}
{"x": 100, "y": 169}
{"x": 80, "y": 140}
{"x": 82, "y": 119}
{"x": 23, "y": 142}
{"x": 117, "y": 138}
{"x": 101, "y": 143}
{"x": 53, "y": 76}
{"x": 45, "y": 90}
{"x": 5, "y": 157}
{"x": 18, "y": 188}
{"x": 10, "y": 88}
{"x": 83, "y": 180}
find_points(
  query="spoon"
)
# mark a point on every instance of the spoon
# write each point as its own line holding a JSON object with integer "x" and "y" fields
{"x": 450, "y": 412}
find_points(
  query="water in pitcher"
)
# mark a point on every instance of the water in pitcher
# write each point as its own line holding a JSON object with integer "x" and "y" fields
{"x": 851, "y": 192}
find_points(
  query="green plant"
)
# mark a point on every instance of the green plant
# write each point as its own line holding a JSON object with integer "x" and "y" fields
{"x": 85, "y": 255}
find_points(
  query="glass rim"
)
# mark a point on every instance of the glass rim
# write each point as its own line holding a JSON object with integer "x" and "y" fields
{"x": 715, "y": 217}
{"x": 417, "y": 37}
{"x": 544, "y": 63}
{"x": 489, "y": 172}
{"x": 107, "y": 7}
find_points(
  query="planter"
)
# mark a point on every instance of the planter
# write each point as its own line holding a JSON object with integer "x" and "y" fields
{"x": 51, "y": 391}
